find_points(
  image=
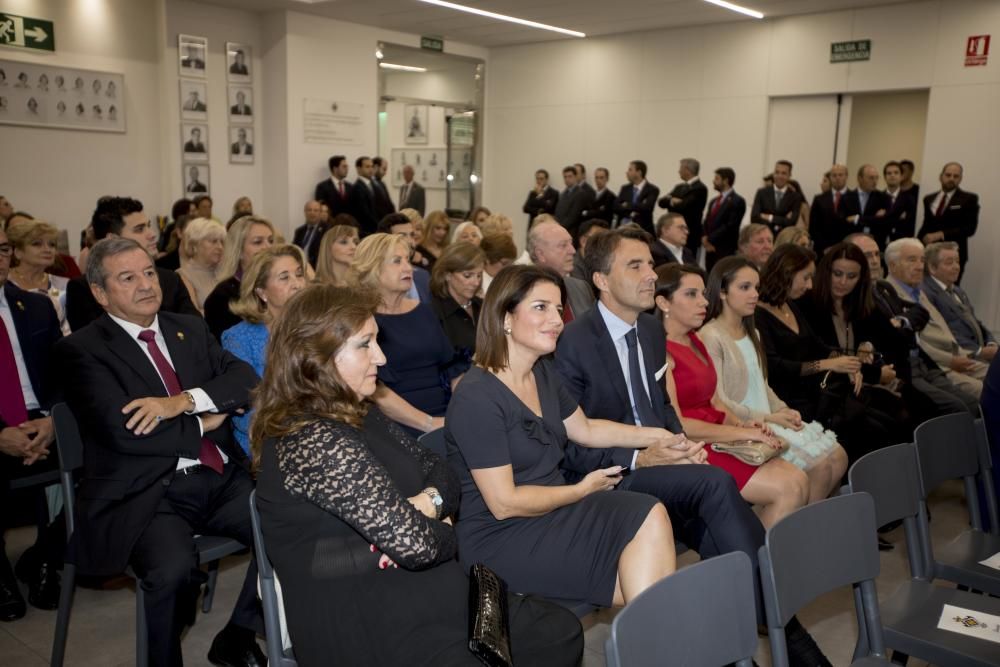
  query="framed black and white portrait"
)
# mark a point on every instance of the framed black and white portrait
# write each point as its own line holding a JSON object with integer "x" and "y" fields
{"x": 194, "y": 100}
{"x": 192, "y": 55}
{"x": 241, "y": 144}
{"x": 196, "y": 179}
{"x": 194, "y": 142}
{"x": 239, "y": 62}
{"x": 415, "y": 128}
{"x": 240, "y": 104}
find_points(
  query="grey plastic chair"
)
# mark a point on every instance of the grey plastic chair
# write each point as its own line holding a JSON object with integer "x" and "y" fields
{"x": 210, "y": 548}
{"x": 819, "y": 548}
{"x": 277, "y": 655}
{"x": 988, "y": 480}
{"x": 711, "y": 619}
{"x": 434, "y": 441}
{"x": 951, "y": 447}
{"x": 910, "y": 614}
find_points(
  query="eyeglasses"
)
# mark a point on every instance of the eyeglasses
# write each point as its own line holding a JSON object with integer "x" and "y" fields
{"x": 6, "y": 250}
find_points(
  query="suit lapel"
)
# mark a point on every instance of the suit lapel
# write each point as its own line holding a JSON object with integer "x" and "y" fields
{"x": 609, "y": 356}
{"x": 657, "y": 391}
{"x": 129, "y": 352}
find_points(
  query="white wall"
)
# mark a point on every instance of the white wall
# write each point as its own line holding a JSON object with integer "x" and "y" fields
{"x": 887, "y": 124}
{"x": 704, "y": 92}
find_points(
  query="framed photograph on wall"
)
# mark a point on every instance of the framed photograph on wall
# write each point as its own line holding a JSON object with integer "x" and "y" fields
{"x": 194, "y": 100}
{"x": 240, "y": 104}
{"x": 239, "y": 62}
{"x": 196, "y": 179}
{"x": 415, "y": 128}
{"x": 192, "y": 55}
{"x": 240, "y": 144}
{"x": 194, "y": 142}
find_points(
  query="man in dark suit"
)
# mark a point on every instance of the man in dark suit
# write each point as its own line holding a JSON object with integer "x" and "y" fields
{"x": 723, "y": 220}
{"x": 194, "y": 143}
{"x": 830, "y": 210}
{"x": 29, "y": 328}
{"x": 872, "y": 205}
{"x": 124, "y": 217}
{"x": 239, "y": 65}
{"x": 193, "y": 59}
{"x": 241, "y": 108}
{"x": 907, "y": 168}
{"x": 151, "y": 392}
{"x": 383, "y": 202}
{"x": 603, "y": 204}
{"x": 777, "y": 206}
{"x": 241, "y": 146}
{"x": 362, "y": 205}
{"x": 637, "y": 198}
{"x": 901, "y": 217}
{"x": 309, "y": 235}
{"x": 942, "y": 290}
{"x": 411, "y": 193}
{"x": 194, "y": 184}
{"x": 688, "y": 198}
{"x": 572, "y": 202}
{"x": 951, "y": 214}
{"x": 542, "y": 199}
{"x": 670, "y": 243}
{"x": 335, "y": 191}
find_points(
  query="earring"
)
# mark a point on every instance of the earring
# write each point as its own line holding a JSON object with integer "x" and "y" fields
{"x": 506, "y": 331}
{"x": 666, "y": 314}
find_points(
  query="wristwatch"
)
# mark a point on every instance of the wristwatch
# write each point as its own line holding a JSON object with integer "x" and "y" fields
{"x": 436, "y": 500}
{"x": 190, "y": 398}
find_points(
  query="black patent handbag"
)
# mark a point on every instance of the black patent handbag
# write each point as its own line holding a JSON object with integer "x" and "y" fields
{"x": 489, "y": 621}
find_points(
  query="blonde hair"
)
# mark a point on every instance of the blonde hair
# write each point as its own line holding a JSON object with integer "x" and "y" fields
{"x": 324, "y": 262}
{"x": 249, "y": 306}
{"x": 791, "y": 235}
{"x": 25, "y": 233}
{"x": 412, "y": 214}
{"x": 433, "y": 219}
{"x": 235, "y": 238}
{"x": 456, "y": 236}
{"x": 371, "y": 254}
{"x": 197, "y": 231}
{"x": 460, "y": 256}
{"x": 497, "y": 223}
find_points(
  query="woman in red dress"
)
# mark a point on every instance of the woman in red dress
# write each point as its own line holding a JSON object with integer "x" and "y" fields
{"x": 777, "y": 487}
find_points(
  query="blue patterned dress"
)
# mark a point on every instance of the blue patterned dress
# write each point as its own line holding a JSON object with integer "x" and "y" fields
{"x": 248, "y": 342}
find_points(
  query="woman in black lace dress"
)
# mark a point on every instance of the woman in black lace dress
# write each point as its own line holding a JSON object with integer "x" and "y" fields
{"x": 357, "y": 516}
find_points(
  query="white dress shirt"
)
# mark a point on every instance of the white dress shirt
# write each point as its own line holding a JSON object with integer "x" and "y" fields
{"x": 618, "y": 328}
{"x": 675, "y": 250}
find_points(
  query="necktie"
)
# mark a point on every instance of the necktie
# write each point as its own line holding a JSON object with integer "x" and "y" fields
{"x": 863, "y": 198}
{"x": 635, "y": 195}
{"x": 567, "y": 315}
{"x": 13, "y": 411}
{"x": 340, "y": 188}
{"x": 643, "y": 407}
{"x": 940, "y": 208}
{"x": 307, "y": 240}
{"x": 778, "y": 194}
{"x": 716, "y": 206}
{"x": 403, "y": 192}
{"x": 836, "y": 201}
{"x": 209, "y": 455}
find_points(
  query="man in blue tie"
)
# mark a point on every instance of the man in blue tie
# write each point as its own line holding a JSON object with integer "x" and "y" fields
{"x": 309, "y": 235}
{"x": 637, "y": 198}
{"x": 873, "y": 204}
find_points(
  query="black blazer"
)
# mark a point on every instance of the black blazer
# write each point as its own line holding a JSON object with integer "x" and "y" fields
{"x": 587, "y": 361}
{"x": 327, "y": 193}
{"x": 124, "y": 475}
{"x": 362, "y": 207}
{"x": 570, "y": 208}
{"x": 723, "y": 229}
{"x": 536, "y": 204}
{"x": 37, "y": 327}
{"x": 958, "y": 222}
{"x": 416, "y": 198}
{"x": 827, "y": 227}
{"x": 642, "y": 211}
{"x": 299, "y": 237}
{"x": 693, "y": 198}
{"x": 217, "y": 313}
{"x": 785, "y": 215}
{"x": 868, "y": 219}
{"x": 901, "y": 219}
{"x": 82, "y": 308}
{"x": 383, "y": 202}
{"x": 602, "y": 207}
{"x": 661, "y": 255}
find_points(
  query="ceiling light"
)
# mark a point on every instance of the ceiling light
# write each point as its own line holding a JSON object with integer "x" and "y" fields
{"x": 503, "y": 17}
{"x": 736, "y": 8}
{"x": 402, "y": 68}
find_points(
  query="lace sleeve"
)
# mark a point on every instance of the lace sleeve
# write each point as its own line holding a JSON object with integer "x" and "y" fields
{"x": 437, "y": 472}
{"x": 329, "y": 465}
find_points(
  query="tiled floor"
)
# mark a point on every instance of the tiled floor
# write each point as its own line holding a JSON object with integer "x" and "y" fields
{"x": 102, "y": 632}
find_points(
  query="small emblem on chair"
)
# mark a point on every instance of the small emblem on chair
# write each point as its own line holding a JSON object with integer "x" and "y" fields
{"x": 969, "y": 621}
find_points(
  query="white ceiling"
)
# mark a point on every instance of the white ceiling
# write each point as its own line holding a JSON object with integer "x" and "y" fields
{"x": 593, "y": 17}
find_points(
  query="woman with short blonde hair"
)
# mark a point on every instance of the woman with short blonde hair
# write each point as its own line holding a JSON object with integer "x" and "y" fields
{"x": 467, "y": 232}
{"x": 202, "y": 250}
{"x": 34, "y": 244}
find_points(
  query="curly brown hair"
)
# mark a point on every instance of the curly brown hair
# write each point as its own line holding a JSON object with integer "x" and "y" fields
{"x": 301, "y": 383}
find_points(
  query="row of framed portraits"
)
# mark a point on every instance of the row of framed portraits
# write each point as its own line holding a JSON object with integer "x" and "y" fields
{"x": 192, "y": 59}
{"x": 194, "y": 143}
{"x": 194, "y": 102}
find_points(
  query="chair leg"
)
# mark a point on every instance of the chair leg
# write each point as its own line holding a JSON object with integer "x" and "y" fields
{"x": 62, "y": 616}
{"x": 213, "y": 577}
{"x": 899, "y": 658}
{"x": 141, "y": 634}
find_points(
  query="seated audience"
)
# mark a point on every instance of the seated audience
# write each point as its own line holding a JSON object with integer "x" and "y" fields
{"x": 467, "y": 232}
{"x": 29, "y": 328}
{"x": 497, "y": 223}
{"x": 436, "y": 237}
{"x": 756, "y": 244}
{"x": 670, "y": 244}
{"x": 506, "y": 430}
{"x": 731, "y": 339}
{"x": 34, "y": 244}
{"x": 171, "y": 260}
{"x": 588, "y": 229}
{"x": 416, "y": 384}
{"x": 400, "y": 225}
{"x": 241, "y": 207}
{"x": 202, "y": 251}
{"x": 63, "y": 266}
{"x": 804, "y": 372}
{"x": 168, "y": 240}
{"x": 794, "y": 235}
{"x": 777, "y": 486}
{"x": 272, "y": 277}
{"x": 124, "y": 217}
{"x": 942, "y": 290}
{"x": 478, "y": 215}
{"x": 203, "y": 207}
{"x": 417, "y": 220}
{"x": 158, "y": 383}
{"x": 499, "y": 251}
{"x": 455, "y": 283}
{"x": 246, "y": 237}
{"x": 382, "y": 543}
{"x": 550, "y": 245}
{"x": 307, "y": 235}
{"x": 336, "y": 254}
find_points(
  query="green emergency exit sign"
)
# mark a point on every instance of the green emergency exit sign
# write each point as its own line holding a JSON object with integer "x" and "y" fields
{"x": 25, "y": 32}
{"x": 432, "y": 43}
{"x": 845, "y": 52}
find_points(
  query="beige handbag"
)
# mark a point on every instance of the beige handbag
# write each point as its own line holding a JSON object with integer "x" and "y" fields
{"x": 751, "y": 452}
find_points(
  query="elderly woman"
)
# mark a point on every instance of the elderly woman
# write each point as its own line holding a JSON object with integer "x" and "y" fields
{"x": 272, "y": 277}
{"x": 246, "y": 237}
{"x": 201, "y": 256}
{"x": 506, "y": 430}
{"x": 467, "y": 232}
{"x": 336, "y": 254}
{"x": 435, "y": 239}
{"x": 795, "y": 236}
{"x": 455, "y": 283}
{"x": 367, "y": 562}
{"x": 416, "y": 383}
{"x": 34, "y": 244}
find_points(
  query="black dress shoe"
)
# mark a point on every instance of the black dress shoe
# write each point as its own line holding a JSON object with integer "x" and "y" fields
{"x": 11, "y": 603}
{"x": 884, "y": 544}
{"x": 802, "y": 648}
{"x": 236, "y": 649}
{"x": 43, "y": 583}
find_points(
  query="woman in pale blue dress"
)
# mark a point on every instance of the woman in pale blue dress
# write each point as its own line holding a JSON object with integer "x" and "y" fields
{"x": 732, "y": 341}
{"x": 272, "y": 278}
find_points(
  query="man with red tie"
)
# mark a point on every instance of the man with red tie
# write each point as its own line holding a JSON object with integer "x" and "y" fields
{"x": 29, "y": 328}
{"x": 830, "y": 211}
{"x": 722, "y": 223}
{"x": 151, "y": 391}
{"x": 951, "y": 214}
{"x": 550, "y": 244}
{"x": 335, "y": 191}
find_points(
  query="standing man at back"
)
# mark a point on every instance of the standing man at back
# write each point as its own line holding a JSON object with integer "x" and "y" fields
{"x": 723, "y": 220}
{"x": 363, "y": 197}
{"x": 572, "y": 202}
{"x": 411, "y": 193}
{"x": 637, "y": 198}
{"x": 335, "y": 191}
{"x": 777, "y": 206}
{"x": 951, "y": 214}
{"x": 688, "y": 198}
{"x": 603, "y": 204}
{"x": 383, "y": 202}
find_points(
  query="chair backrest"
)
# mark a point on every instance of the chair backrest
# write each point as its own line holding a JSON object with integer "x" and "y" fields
{"x": 277, "y": 655}
{"x": 434, "y": 441}
{"x": 712, "y": 619}
{"x": 947, "y": 448}
{"x": 69, "y": 445}
{"x": 987, "y": 484}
